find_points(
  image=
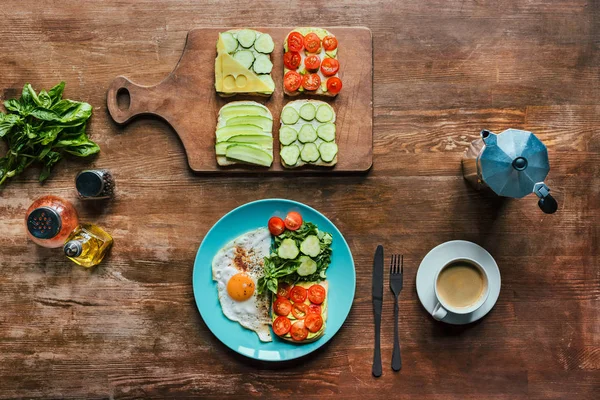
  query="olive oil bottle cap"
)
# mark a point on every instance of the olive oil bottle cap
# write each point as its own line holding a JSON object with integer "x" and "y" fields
{"x": 73, "y": 248}
{"x": 44, "y": 223}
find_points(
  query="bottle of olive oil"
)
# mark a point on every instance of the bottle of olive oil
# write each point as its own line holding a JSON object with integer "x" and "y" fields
{"x": 87, "y": 245}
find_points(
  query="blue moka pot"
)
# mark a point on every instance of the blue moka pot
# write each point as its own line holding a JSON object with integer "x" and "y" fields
{"x": 513, "y": 163}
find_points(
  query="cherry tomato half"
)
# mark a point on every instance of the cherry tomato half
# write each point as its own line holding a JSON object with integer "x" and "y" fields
{"x": 330, "y": 43}
{"x": 334, "y": 85}
{"x": 292, "y": 59}
{"x": 313, "y": 322}
{"x": 299, "y": 310}
{"x": 316, "y": 294}
{"x": 276, "y": 226}
{"x": 282, "y": 306}
{"x": 292, "y": 81}
{"x": 314, "y": 309}
{"x": 281, "y": 326}
{"x": 293, "y": 221}
{"x": 312, "y": 62}
{"x": 311, "y": 81}
{"x": 330, "y": 66}
{"x": 283, "y": 290}
{"x": 299, "y": 331}
{"x": 312, "y": 43}
{"x": 298, "y": 294}
{"x": 295, "y": 41}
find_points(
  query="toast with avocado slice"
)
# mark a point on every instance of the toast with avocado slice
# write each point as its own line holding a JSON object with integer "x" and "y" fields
{"x": 310, "y": 63}
{"x": 300, "y": 314}
{"x": 244, "y": 134}
{"x": 243, "y": 64}
{"x": 307, "y": 134}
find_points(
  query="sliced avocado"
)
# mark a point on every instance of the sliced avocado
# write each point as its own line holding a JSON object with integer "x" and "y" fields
{"x": 244, "y": 110}
{"x": 223, "y": 134}
{"x": 262, "y": 140}
{"x": 332, "y": 53}
{"x": 264, "y": 123}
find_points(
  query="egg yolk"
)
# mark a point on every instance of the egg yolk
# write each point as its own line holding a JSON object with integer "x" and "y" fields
{"x": 240, "y": 287}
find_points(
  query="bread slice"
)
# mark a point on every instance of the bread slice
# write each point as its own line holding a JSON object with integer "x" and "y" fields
{"x": 324, "y": 310}
{"x": 322, "y": 90}
{"x": 240, "y": 110}
{"x": 297, "y": 104}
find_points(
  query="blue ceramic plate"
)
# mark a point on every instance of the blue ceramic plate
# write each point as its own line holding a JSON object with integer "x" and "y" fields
{"x": 340, "y": 274}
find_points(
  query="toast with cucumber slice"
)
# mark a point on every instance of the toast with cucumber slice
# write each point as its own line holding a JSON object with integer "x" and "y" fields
{"x": 244, "y": 134}
{"x": 243, "y": 64}
{"x": 310, "y": 63}
{"x": 307, "y": 134}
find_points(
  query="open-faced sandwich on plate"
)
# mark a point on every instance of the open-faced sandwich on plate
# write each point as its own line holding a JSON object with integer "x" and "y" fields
{"x": 307, "y": 134}
{"x": 244, "y": 134}
{"x": 243, "y": 64}
{"x": 310, "y": 63}
{"x": 294, "y": 274}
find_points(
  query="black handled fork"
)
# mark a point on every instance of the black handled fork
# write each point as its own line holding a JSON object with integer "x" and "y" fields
{"x": 396, "y": 271}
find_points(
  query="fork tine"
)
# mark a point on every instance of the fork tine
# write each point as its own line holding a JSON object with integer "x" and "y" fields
{"x": 402, "y": 264}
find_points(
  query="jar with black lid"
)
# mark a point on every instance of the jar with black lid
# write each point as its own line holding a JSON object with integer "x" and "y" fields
{"x": 95, "y": 184}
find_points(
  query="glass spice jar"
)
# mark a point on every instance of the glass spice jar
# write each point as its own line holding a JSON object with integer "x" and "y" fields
{"x": 50, "y": 220}
{"x": 95, "y": 184}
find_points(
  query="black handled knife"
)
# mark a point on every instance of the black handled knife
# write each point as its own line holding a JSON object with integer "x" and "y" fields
{"x": 377, "y": 305}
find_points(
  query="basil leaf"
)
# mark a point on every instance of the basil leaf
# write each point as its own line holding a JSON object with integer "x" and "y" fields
{"x": 83, "y": 150}
{"x": 56, "y": 92}
{"x": 7, "y": 121}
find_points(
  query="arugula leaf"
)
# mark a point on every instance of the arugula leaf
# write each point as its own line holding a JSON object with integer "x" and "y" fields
{"x": 279, "y": 269}
{"x": 43, "y": 128}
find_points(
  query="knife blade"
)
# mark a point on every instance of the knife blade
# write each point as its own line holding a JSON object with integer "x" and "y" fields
{"x": 377, "y": 293}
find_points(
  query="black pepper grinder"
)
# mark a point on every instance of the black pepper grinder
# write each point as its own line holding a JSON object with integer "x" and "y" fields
{"x": 95, "y": 184}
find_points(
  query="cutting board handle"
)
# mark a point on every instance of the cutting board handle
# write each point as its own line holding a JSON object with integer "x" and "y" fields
{"x": 142, "y": 100}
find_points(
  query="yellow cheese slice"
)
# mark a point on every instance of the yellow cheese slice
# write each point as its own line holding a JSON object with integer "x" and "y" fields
{"x": 234, "y": 78}
{"x": 220, "y": 45}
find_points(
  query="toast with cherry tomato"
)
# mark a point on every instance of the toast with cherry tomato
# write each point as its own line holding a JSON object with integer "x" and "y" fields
{"x": 299, "y": 312}
{"x": 310, "y": 63}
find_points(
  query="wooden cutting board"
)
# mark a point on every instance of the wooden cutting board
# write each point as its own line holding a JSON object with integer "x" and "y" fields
{"x": 187, "y": 100}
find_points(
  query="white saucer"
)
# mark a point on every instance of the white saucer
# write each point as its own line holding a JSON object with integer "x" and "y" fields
{"x": 442, "y": 254}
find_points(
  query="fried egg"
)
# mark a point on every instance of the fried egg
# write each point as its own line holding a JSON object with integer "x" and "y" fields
{"x": 236, "y": 268}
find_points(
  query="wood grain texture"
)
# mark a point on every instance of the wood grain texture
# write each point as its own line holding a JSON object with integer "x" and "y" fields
{"x": 443, "y": 70}
{"x": 187, "y": 100}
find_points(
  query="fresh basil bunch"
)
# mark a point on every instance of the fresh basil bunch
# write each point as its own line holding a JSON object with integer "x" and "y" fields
{"x": 42, "y": 128}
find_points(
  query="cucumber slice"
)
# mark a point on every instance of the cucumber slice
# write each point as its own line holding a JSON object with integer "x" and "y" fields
{"x": 262, "y": 64}
{"x": 266, "y": 78}
{"x": 229, "y": 41}
{"x": 309, "y": 153}
{"x": 324, "y": 113}
{"x": 288, "y": 249}
{"x": 223, "y": 134}
{"x": 264, "y": 123}
{"x": 328, "y": 151}
{"x": 307, "y": 134}
{"x": 290, "y": 154}
{"x": 308, "y": 111}
{"x": 287, "y": 135}
{"x": 332, "y": 53}
{"x": 236, "y": 110}
{"x": 326, "y": 132}
{"x": 307, "y": 266}
{"x": 244, "y": 57}
{"x": 252, "y": 155}
{"x": 266, "y": 141}
{"x": 264, "y": 43}
{"x": 310, "y": 246}
{"x": 289, "y": 115}
{"x": 246, "y": 37}
{"x": 221, "y": 148}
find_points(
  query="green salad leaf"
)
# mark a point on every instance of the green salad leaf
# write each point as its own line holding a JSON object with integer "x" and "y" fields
{"x": 285, "y": 270}
{"x": 41, "y": 128}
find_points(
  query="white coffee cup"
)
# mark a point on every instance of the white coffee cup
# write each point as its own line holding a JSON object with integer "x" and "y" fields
{"x": 440, "y": 311}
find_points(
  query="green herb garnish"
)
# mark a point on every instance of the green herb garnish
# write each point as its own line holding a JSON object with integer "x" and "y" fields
{"x": 42, "y": 127}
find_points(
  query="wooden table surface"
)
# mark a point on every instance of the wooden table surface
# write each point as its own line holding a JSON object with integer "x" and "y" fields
{"x": 443, "y": 70}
